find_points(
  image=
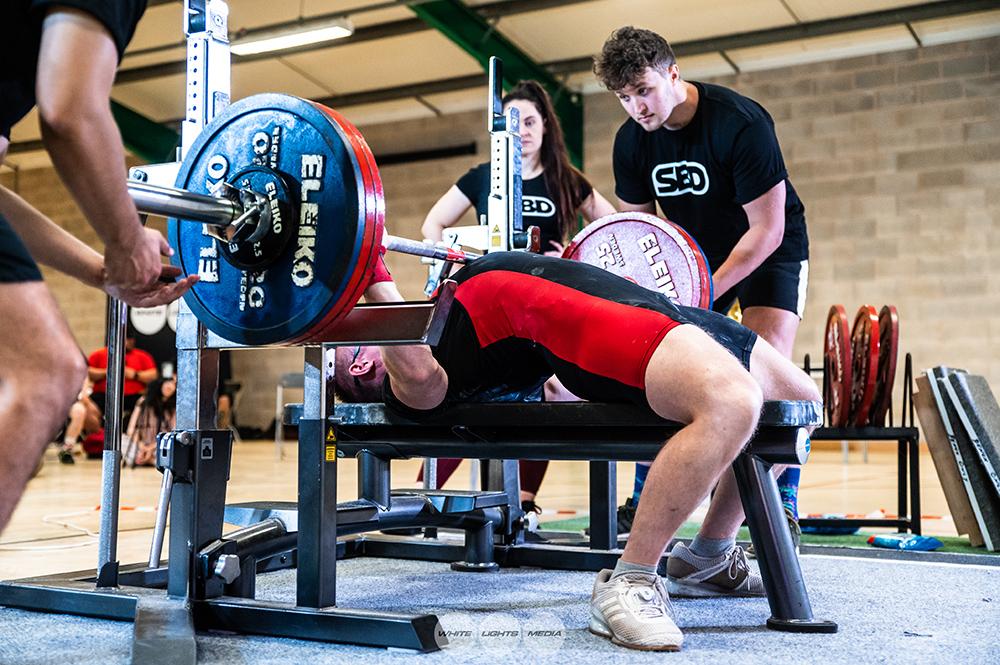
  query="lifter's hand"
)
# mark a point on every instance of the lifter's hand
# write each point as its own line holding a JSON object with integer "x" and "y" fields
{"x": 135, "y": 274}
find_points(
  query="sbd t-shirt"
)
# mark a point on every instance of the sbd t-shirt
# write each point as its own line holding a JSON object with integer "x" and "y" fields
{"x": 538, "y": 207}
{"x": 702, "y": 174}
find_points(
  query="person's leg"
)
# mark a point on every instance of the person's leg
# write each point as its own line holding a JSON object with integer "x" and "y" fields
{"x": 689, "y": 379}
{"x": 779, "y": 327}
{"x": 223, "y": 414}
{"x": 92, "y": 421}
{"x": 532, "y": 473}
{"x": 41, "y": 371}
{"x": 77, "y": 419}
{"x": 779, "y": 379}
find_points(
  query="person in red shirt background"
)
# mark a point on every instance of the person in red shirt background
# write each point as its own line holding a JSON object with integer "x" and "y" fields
{"x": 140, "y": 369}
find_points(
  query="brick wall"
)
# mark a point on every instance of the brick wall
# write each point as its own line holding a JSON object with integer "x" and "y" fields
{"x": 896, "y": 156}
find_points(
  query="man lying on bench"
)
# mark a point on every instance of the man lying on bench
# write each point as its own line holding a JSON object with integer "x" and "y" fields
{"x": 519, "y": 318}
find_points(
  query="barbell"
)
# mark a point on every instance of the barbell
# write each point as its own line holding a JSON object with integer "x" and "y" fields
{"x": 278, "y": 206}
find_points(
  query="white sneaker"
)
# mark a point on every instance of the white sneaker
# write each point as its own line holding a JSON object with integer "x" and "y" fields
{"x": 692, "y": 576}
{"x": 633, "y": 610}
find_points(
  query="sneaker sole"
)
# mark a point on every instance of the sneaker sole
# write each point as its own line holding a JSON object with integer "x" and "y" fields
{"x": 599, "y": 628}
{"x": 679, "y": 589}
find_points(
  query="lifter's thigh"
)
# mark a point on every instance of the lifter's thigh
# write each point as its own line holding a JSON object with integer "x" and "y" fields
{"x": 691, "y": 376}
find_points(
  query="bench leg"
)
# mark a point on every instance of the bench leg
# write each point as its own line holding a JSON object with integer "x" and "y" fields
{"x": 779, "y": 565}
{"x": 478, "y": 551}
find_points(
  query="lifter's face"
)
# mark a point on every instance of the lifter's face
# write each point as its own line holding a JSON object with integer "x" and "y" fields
{"x": 653, "y": 97}
{"x": 532, "y": 125}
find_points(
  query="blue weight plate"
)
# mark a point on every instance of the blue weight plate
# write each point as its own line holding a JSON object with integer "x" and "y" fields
{"x": 310, "y": 278}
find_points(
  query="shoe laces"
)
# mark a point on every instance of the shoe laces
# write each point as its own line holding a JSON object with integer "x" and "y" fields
{"x": 738, "y": 563}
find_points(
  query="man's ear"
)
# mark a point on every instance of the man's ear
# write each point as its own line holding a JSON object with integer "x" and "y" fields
{"x": 360, "y": 367}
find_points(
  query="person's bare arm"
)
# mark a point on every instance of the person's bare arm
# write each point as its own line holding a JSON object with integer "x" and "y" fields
{"x": 596, "y": 206}
{"x": 446, "y": 212}
{"x": 77, "y": 60}
{"x": 145, "y": 375}
{"x": 96, "y": 374}
{"x": 418, "y": 380}
{"x": 766, "y": 215}
{"x": 49, "y": 243}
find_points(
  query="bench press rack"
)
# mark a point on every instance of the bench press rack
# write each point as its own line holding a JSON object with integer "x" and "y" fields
{"x": 209, "y": 581}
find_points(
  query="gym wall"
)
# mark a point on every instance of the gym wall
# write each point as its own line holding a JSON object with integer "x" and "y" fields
{"x": 896, "y": 157}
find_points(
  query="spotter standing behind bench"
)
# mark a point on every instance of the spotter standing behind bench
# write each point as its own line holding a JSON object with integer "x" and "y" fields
{"x": 519, "y": 318}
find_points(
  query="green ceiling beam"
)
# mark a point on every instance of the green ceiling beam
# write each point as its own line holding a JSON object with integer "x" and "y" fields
{"x": 479, "y": 39}
{"x": 143, "y": 137}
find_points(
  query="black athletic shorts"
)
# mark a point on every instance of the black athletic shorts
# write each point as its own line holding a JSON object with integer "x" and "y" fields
{"x": 519, "y": 318}
{"x": 21, "y": 33}
{"x": 16, "y": 264}
{"x": 781, "y": 284}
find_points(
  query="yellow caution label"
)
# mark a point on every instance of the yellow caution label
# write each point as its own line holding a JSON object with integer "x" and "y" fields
{"x": 331, "y": 435}
{"x": 331, "y": 452}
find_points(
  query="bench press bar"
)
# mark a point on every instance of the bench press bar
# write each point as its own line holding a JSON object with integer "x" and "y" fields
{"x": 222, "y": 213}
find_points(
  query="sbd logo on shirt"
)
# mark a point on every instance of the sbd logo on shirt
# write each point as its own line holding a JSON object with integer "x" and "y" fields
{"x": 678, "y": 178}
{"x": 537, "y": 206}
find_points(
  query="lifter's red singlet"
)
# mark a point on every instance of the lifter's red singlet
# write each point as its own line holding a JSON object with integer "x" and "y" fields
{"x": 599, "y": 336}
{"x": 519, "y": 318}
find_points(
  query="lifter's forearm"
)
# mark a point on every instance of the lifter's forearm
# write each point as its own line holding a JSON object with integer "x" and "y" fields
{"x": 49, "y": 243}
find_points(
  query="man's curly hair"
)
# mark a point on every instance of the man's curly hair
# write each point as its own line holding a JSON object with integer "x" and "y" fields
{"x": 626, "y": 55}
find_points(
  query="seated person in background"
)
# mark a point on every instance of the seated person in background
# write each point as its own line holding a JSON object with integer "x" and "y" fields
{"x": 84, "y": 419}
{"x": 507, "y": 328}
{"x": 140, "y": 370}
{"x": 155, "y": 412}
{"x": 554, "y": 193}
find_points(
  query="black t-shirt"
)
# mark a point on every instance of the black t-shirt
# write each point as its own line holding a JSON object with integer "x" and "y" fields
{"x": 21, "y": 31}
{"x": 538, "y": 207}
{"x": 703, "y": 173}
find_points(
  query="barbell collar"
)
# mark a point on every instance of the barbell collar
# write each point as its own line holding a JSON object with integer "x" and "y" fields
{"x": 407, "y": 246}
{"x": 183, "y": 205}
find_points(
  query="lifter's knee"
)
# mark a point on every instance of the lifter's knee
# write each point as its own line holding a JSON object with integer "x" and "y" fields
{"x": 733, "y": 409}
{"x": 49, "y": 389}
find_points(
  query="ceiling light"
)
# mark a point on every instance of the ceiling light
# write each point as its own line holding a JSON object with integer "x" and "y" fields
{"x": 292, "y": 35}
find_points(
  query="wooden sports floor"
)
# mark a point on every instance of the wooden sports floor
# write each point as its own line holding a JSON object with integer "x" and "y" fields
{"x": 51, "y": 529}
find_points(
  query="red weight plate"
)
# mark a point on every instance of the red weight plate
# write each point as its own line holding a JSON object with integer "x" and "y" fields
{"x": 374, "y": 218}
{"x": 837, "y": 367}
{"x": 646, "y": 250}
{"x": 888, "y": 350}
{"x": 864, "y": 368}
{"x": 375, "y": 202}
{"x": 707, "y": 287}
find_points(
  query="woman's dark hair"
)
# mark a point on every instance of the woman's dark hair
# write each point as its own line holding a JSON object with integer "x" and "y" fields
{"x": 563, "y": 180}
{"x": 159, "y": 407}
{"x": 626, "y": 55}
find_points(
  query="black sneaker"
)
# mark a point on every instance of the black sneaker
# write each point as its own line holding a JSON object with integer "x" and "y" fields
{"x": 626, "y": 515}
{"x": 66, "y": 456}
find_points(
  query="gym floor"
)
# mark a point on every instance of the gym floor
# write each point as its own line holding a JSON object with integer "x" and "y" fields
{"x": 48, "y": 532}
